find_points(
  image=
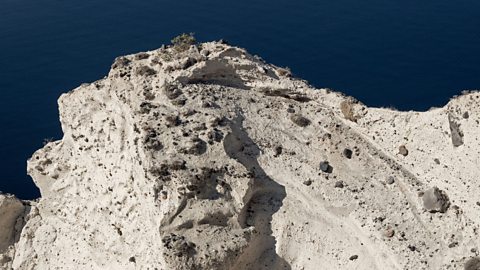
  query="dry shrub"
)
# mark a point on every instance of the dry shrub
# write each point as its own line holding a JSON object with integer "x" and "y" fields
{"x": 183, "y": 42}
{"x": 284, "y": 72}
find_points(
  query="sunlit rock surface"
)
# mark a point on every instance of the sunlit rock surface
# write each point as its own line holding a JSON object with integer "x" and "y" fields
{"x": 210, "y": 158}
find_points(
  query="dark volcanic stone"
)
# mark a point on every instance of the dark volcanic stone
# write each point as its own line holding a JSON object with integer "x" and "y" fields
{"x": 402, "y": 150}
{"x": 325, "y": 167}
{"x": 339, "y": 184}
{"x": 435, "y": 200}
{"x": 347, "y": 153}
{"x": 390, "y": 180}
{"x": 300, "y": 120}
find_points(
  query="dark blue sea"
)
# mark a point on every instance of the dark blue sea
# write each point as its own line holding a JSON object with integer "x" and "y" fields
{"x": 408, "y": 54}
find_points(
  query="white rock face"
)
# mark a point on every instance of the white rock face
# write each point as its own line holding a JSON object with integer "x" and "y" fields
{"x": 210, "y": 159}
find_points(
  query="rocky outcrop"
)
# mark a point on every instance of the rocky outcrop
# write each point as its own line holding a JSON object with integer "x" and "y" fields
{"x": 209, "y": 158}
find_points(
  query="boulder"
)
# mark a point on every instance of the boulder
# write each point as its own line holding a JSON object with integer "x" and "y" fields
{"x": 435, "y": 200}
{"x": 325, "y": 167}
{"x": 402, "y": 150}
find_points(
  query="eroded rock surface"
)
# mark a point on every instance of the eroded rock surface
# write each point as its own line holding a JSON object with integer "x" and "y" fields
{"x": 210, "y": 158}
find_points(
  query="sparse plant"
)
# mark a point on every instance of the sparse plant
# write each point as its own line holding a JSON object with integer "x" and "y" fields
{"x": 391, "y": 108}
{"x": 183, "y": 42}
{"x": 284, "y": 72}
{"x": 166, "y": 56}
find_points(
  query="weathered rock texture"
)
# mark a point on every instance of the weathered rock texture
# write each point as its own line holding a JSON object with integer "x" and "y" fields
{"x": 200, "y": 159}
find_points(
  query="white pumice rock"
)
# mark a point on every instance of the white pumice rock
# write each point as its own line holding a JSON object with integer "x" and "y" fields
{"x": 197, "y": 160}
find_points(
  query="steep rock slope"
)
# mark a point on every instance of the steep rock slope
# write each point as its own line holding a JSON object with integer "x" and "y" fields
{"x": 209, "y": 158}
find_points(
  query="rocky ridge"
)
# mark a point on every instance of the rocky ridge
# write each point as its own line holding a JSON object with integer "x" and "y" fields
{"x": 206, "y": 157}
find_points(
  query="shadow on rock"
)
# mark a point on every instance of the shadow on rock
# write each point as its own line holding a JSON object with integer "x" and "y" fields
{"x": 266, "y": 200}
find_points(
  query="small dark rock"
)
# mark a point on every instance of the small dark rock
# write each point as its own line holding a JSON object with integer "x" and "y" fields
{"x": 353, "y": 257}
{"x": 339, "y": 184}
{"x": 172, "y": 120}
{"x": 390, "y": 180}
{"x": 465, "y": 115}
{"x": 453, "y": 244}
{"x": 402, "y": 150}
{"x": 436, "y": 160}
{"x": 379, "y": 219}
{"x": 132, "y": 259}
{"x": 347, "y": 153}
{"x": 435, "y": 200}
{"x": 307, "y": 182}
{"x": 412, "y": 248}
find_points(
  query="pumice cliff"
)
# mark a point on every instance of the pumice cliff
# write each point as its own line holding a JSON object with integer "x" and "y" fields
{"x": 206, "y": 157}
